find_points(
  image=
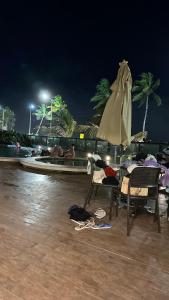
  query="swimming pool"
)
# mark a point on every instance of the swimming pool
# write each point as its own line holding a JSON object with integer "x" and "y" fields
{"x": 77, "y": 162}
{"x": 23, "y": 156}
{"x": 12, "y": 151}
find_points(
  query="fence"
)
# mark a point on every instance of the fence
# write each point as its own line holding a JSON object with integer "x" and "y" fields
{"x": 84, "y": 146}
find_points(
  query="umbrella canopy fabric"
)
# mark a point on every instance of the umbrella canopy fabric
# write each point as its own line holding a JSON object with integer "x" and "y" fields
{"x": 115, "y": 125}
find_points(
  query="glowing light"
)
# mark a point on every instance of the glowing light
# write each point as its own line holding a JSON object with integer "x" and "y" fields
{"x": 31, "y": 106}
{"x": 89, "y": 155}
{"x": 44, "y": 95}
{"x": 40, "y": 147}
{"x": 81, "y": 136}
{"x": 108, "y": 158}
{"x": 49, "y": 148}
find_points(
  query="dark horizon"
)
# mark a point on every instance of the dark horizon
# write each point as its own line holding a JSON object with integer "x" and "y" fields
{"x": 67, "y": 50}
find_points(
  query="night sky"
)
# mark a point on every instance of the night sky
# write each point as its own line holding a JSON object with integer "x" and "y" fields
{"x": 68, "y": 48}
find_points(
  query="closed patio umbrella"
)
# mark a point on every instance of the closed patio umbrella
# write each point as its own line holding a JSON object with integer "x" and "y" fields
{"x": 115, "y": 125}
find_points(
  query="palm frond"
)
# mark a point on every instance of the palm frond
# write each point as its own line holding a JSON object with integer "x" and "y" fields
{"x": 157, "y": 99}
{"x": 156, "y": 85}
{"x": 138, "y": 97}
{"x": 147, "y": 90}
{"x": 103, "y": 93}
{"x": 99, "y": 105}
{"x": 138, "y": 82}
{"x": 97, "y": 98}
{"x": 141, "y": 103}
{"x": 136, "y": 88}
{"x": 145, "y": 87}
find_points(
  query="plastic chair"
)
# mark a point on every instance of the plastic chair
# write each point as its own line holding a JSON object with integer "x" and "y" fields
{"x": 144, "y": 177}
{"x": 93, "y": 189}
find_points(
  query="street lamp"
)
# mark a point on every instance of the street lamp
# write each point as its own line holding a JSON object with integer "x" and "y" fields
{"x": 45, "y": 96}
{"x": 31, "y": 107}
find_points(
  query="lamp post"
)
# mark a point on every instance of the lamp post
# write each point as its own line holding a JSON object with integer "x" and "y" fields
{"x": 45, "y": 96}
{"x": 31, "y": 107}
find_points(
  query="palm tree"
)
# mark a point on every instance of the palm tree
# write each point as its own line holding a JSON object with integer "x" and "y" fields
{"x": 42, "y": 113}
{"x": 56, "y": 105}
{"x": 7, "y": 118}
{"x": 144, "y": 90}
{"x": 64, "y": 123}
{"x": 103, "y": 93}
{"x": 89, "y": 131}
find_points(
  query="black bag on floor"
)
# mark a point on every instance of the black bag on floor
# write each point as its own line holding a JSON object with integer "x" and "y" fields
{"x": 78, "y": 213}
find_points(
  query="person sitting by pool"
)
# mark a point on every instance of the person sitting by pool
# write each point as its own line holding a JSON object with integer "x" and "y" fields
{"x": 45, "y": 152}
{"x": 33, "y": 153}
{"x": 70, "y": 154}
{"x": 18, "y": 146}
{"x": 57, "y": 151}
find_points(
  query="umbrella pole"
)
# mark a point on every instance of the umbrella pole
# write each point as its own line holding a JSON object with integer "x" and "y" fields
{"x": 115, "y": 154}
{"x": 122, "y": 152}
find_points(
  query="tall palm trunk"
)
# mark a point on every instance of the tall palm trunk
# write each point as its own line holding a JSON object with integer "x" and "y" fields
{"x": 40, "y": 125}
{"x": 145, "y": 116}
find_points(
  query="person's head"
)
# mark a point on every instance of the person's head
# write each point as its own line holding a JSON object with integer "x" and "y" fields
{"x": 140, "y": 156}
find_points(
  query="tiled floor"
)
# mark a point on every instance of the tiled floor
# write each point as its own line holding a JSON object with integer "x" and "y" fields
{"x": 42, "y": 257}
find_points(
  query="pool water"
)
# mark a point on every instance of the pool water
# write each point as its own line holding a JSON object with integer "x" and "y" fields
{"x": 12, "y": 151}
{"x": 81, "y": 162}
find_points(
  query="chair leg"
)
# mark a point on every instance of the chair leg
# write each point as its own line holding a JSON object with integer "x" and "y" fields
{"x": 88, "y": 197}
{"x": 111, "y": 204}
{"x": 96, "y": 190}
{"x": 116, "y": 201}
{"x": 158, "y": 215}
{"x": 155, "y": 213}
{"x": 128, "y": 215}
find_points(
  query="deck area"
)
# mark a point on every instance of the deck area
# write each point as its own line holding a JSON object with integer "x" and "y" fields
{"x": 42, "y": 257}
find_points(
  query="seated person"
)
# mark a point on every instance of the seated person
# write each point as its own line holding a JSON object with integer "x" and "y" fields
{"x": 70, "y": 154}
{"x": 140, "y": 157}
{"x": 18, "y": 146}
{"x": 45, "y": 152}
{"x": 33, "y": 153}
{"x": 57, "y": 151}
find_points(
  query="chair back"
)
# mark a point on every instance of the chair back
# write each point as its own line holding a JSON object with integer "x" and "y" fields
{"x": 144, "y": 177}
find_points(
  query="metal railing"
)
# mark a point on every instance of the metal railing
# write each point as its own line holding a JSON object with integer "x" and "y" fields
{"x": 84, "y": 146}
